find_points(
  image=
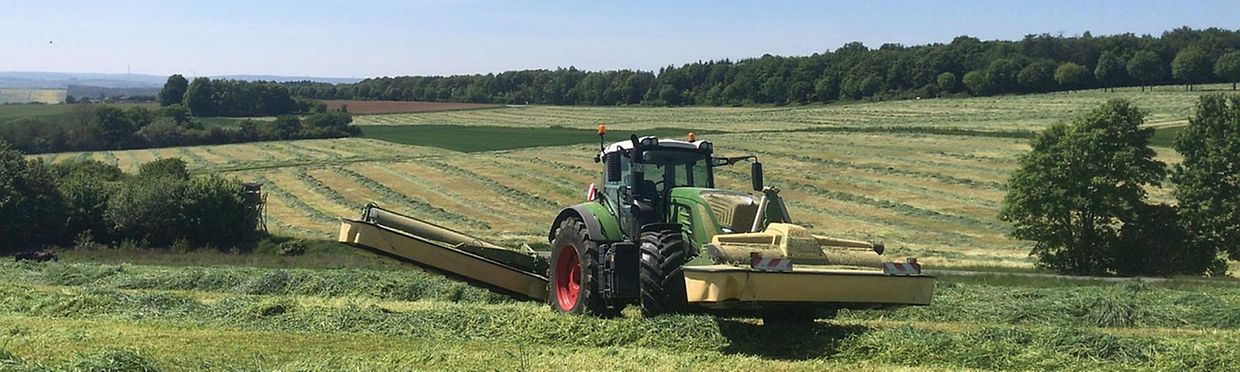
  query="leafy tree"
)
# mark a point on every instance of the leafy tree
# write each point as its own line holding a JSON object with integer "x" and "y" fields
{"x": 32, "y": 208}
{"x": 164, "y": 132}
{"x": 1109, "y": 70}
{"x": 1207, "y": 186}
{"x": 1079, "y": 182}
{"x": 827, "y": 88}
{"x": 70, "y": 99}
{"x": 1227, "y": 68}
{"x": 978, "y": 83}
{"x": 86, "y": 186}
{"x": 164, "y": 168}
{"x": 200, "y": 96}
{"x": 149, "y": 209}
{"x": 946, "y": 82}
{"x": 284, "y": 127}
{"x": 179, "y": 114}
{"x": 1146, "y": 68}
{"x": 114, "y": 127}
{"x": 1192, "y": 65}
{"x": 800, "y": 91}
{"x": 218, "y": 214}
{"x": 1003, "y": 74}
{"x": 174, "y": 90}
{"x": 1038, "y": 76}
{"x": 1071, "y": 76}
{"x": 1155, "y": 242}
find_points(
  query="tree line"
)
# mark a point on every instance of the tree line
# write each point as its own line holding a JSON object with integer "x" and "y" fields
{"x": 965, "y": 66}
{"x": 236, "y": 98}
{"x": 1080, "y": 194}
{"x": 84, "y": 202}
{"x": 105, "y": 127}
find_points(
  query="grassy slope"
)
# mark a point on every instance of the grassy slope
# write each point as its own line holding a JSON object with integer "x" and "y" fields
{"x": 60, "y": 315}
{"x": 927, "y": 177}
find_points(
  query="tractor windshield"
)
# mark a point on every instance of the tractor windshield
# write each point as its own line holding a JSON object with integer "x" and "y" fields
{"x": 668, "y": 168}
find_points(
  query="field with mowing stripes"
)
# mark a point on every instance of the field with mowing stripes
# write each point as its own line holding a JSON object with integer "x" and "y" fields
{"x": 927, "y": 177}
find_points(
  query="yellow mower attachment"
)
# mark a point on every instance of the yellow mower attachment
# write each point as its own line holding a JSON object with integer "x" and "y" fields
{"x": 788, "y": 241}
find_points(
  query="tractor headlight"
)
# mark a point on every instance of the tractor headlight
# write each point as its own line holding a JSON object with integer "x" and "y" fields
{"x": 706, "y": 146}
{"x": 650, "y": 142}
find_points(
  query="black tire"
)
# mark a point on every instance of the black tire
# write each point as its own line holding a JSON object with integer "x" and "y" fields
{"x": 662, "y": 272}
{"x": 572, "y": 235}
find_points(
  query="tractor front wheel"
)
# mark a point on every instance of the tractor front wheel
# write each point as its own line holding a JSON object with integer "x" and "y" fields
{"x": 662, "y": 275}
{"x": 573, "y": 275}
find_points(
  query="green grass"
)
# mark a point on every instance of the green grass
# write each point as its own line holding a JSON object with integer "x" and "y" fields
{"x": 59, "y": 315}
{"x": 491, "y": 138}
{"x": 1165, "y": 136}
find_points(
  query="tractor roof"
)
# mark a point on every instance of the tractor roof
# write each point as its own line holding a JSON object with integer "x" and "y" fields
{"x": 665, "y": 143}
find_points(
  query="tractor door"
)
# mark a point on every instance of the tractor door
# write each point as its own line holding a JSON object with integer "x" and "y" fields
{"x": 615, "y": 188}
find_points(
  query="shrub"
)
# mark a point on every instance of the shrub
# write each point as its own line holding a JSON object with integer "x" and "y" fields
{"x": 31, "y": 206}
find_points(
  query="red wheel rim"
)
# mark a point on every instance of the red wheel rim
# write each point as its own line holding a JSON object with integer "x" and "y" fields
{"x": 568, "y": 278}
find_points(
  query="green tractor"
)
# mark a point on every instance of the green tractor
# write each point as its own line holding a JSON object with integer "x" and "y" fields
{"x": 660, "y": 235}
{"x": 657, "y": 210}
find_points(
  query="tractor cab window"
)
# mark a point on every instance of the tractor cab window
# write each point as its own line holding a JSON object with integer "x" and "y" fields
{"x": 665, "y": 169}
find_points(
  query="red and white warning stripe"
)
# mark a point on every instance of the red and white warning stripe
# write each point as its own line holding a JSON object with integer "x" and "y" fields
{"x": 757, "y": 262}
{"x": 907, "y": 268}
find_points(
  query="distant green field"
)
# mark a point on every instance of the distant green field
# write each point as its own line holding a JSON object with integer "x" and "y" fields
{"x": 27, "y": 95}
{"x": 488, "y": 138}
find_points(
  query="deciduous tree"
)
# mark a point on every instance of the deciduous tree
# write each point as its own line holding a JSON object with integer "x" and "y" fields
{"x": 1191, "y": 65}
{"x": 1071, "y": 76}
{"x": 1208, "y": 180}
{"x": 1078, "y": 184}
{"x": 174, "y": 90}
{"x": 1228, "y": 68}
{"x": 1146, "y": 68}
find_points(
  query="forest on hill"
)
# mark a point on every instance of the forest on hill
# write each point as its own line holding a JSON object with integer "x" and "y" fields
{"x": 964, "y": 66}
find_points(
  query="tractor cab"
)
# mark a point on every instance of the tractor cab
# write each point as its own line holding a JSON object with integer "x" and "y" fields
{"x": 640, "y": 174}
{"x": 649, "y": 180}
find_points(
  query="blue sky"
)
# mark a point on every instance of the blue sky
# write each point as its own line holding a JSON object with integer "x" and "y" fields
{"x": 388, "y": 38}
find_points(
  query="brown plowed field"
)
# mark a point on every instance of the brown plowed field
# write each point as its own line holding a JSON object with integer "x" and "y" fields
{"x": 389, "y": 107}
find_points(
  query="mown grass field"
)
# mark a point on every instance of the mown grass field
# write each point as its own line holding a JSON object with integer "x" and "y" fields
{"x": 83, "y": 316}
{"x": 927, "y": 177}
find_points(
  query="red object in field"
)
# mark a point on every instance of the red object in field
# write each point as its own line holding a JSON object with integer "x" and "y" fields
{"x": 757, "y": 262}
{"x": 568, "y": 278}
{"x": 602, "y": 129}
{"x": 909, "y": 267}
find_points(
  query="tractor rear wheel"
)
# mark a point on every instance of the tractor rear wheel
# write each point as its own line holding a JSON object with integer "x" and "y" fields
{"x": 573, "y": 276}
{"x": 662, "y": 272}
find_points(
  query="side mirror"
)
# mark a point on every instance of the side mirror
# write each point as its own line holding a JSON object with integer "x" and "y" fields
{"x": 636, "y": 151}
{"x": 755, "y": 174}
